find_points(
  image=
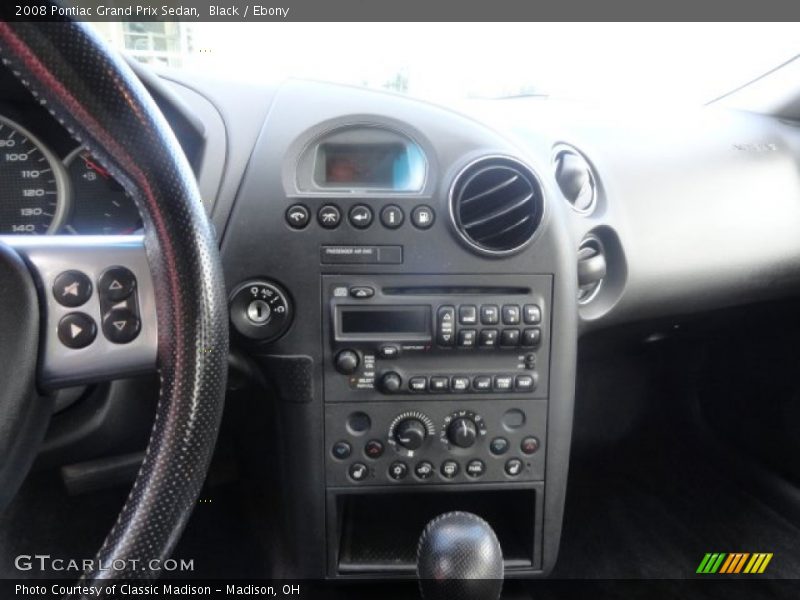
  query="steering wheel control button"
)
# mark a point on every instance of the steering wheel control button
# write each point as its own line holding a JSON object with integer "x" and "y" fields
{"x": 446, "y": 326}
{"x": 398, "y": 470}
{"x": 341, "y": 450}
{"x": 529, "y": 445}
{"x": 513, "y": 467}
{"x": 297, "y": 216}
{"x": 498, "y": 446}
{"x": 475, "y": 468}
{"x": 531, "y": 337}
{"x": 449, "y": 469}
{"x": 392, "y": 216}
{"x": 362, "y": 292}
{"x": 358, "y": 471}
{"x": 422, "y": 217}
{"x": 77, "y": 330}
{"x": 347, "y": 362}
{"x": 121, "y": 326}
{"x": 373, "y": 449}
{"x": 116, "y": 284}
{"x": 72, "y": 288}
{"x": 260, "y": 310}
{"x": 510, "y": 314}
{"x": 532, "y": 314}
{"x": 360, "y": 216}
{"x": 329, "y": 216}
{"x": 424, "y": 470}
{"x": 490, "y": 314}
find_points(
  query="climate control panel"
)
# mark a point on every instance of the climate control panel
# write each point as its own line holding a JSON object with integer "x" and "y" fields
{"x": 449, "y": 442}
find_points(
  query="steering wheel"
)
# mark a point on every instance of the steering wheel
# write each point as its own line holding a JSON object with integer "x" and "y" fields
{"x": 155, "y": 301}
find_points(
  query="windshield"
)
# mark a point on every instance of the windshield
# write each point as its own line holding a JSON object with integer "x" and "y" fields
{"x": 689, "y": 63}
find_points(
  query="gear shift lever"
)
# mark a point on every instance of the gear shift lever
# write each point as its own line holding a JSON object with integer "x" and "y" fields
{"x": 458, "y": 556}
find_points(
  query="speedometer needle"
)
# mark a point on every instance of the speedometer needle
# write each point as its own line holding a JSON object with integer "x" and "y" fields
{"x": 95, "y": 167}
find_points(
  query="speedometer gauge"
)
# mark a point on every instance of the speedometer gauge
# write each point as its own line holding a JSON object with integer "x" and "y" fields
{"x": 33, "y": 186}
{"x": 100, "y": 205}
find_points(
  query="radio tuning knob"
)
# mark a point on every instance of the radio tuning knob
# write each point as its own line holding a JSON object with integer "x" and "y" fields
{"x": 410, "y": 433}
{"x": 347, "y": 362}
{"x": 462, "y": 432}
{"x": 391, "y": 382}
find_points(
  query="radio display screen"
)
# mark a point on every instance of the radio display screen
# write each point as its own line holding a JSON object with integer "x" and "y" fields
{"x": 414, "y": 320}
{"x": 370, "y": 165}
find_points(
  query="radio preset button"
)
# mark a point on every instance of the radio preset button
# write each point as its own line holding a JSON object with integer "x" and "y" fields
{"x": 490, "y": 314}
{"x": 503, "y": 383}
{"x": 468, "y": 315}
{"x": 510, "y": 314}
{"x": 440, "y": 384}
{"x": 446, "y": 326}
{"x": 482, "y": 383}
{"x": 488, "y": 338}
{"x": 460, "y": 384}
{"x": 467, "y": 338}
{"x": 525, "y": 383}
{"x": 532, "y": 314}
{"x": 509, "y": 337}
{"x": 362, "y": 291}
{"x": 531, "y": 337}
{"x": 418, "y": 384}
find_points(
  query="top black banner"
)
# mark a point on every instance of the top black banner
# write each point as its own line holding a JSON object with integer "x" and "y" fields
{"x": 399, "y": 10}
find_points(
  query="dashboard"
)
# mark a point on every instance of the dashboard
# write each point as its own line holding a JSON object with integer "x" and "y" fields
{"x": 413, "y": 281}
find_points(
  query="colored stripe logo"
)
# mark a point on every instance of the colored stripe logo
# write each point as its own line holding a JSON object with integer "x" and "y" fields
{"x": 734, "y": 563}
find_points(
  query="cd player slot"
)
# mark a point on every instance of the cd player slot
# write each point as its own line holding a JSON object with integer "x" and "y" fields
{"x": 454, "y": 290}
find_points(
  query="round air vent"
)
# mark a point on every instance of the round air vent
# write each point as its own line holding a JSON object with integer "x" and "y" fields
{"x": 496, "y": 205}
{"x": 575, "y": 179}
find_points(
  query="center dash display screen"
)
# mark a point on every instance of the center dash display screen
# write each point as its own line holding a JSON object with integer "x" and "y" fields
{"x": 369, "y": 165}
{"x": 405, "y": 320}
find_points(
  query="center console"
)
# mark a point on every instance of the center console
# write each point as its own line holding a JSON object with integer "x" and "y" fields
{"x": 402, "y": 280}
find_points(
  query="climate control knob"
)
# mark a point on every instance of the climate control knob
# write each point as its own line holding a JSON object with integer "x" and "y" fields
{"x": 391, "y": 382}
{"x": 410, "y": 433}
{"x": 347, "y": 362}
{"x": 462, "y": 432}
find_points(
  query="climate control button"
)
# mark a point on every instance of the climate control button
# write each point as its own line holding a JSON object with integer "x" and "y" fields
{"x": 410, "y": 433}
{"x": 462, "y": 432}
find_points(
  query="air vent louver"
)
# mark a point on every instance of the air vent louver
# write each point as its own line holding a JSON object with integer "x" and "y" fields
{"x": 496, "y": 205}
{"x": 576, "y": 180}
